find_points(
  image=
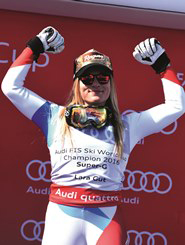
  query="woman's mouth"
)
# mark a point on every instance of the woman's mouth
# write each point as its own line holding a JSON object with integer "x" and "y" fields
{"x": 96, "y": 91}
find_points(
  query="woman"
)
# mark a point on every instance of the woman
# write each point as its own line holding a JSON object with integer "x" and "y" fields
{"x": 88, "y": 140}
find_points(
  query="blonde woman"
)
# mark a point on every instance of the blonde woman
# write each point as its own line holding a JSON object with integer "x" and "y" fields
{"x": 89, "y": 141}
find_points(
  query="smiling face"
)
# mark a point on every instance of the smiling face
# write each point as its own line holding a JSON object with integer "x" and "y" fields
{"x": 95, "y": 93}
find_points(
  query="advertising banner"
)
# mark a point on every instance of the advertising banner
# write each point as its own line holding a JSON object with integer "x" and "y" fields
{"x": 154, "y": 184}
{"x": 165, "y": 5}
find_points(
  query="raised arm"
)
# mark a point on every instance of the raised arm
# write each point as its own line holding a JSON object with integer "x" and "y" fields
{"x": 155, "y": 119}
{"x": 26, "y": 101}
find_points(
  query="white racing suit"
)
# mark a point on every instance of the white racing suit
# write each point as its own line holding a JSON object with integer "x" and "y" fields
{"x": 85, "y": 207}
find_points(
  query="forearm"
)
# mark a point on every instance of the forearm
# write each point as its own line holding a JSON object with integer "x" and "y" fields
{"x": 173, "y": 91}
{"x": 13, "y": 85}
{"x": 174, "y": 105}
{"x": 155, "y": 119}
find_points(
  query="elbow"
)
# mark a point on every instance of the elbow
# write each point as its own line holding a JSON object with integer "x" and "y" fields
{"x": 177, "y": 107}
{"x": 4, "y": 88}
{"x": 7, "y": 89}
{"x": 180, "y": 110}
{"x": 182, "y": 104}
{"x": 181, "y": 107}
{"x": 183, "y": 110}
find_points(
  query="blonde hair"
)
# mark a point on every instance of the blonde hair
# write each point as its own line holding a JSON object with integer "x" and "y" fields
{"x": 111, "y": 103}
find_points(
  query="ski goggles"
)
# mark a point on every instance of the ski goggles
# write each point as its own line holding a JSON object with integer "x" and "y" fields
{"x": 89, "y": 79}
{"x": 80, "y": 116}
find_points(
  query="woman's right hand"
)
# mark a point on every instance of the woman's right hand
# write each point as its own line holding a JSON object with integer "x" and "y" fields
{"x": 52, "y": 40}
{"x": 48, "y": 40}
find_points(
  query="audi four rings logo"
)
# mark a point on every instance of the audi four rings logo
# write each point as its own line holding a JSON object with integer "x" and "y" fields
{"x": 40, "y": 168}
{"x": 145, "y": 237}
{"x": 148, "y": 181}
{"x": 32, "y": 230}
